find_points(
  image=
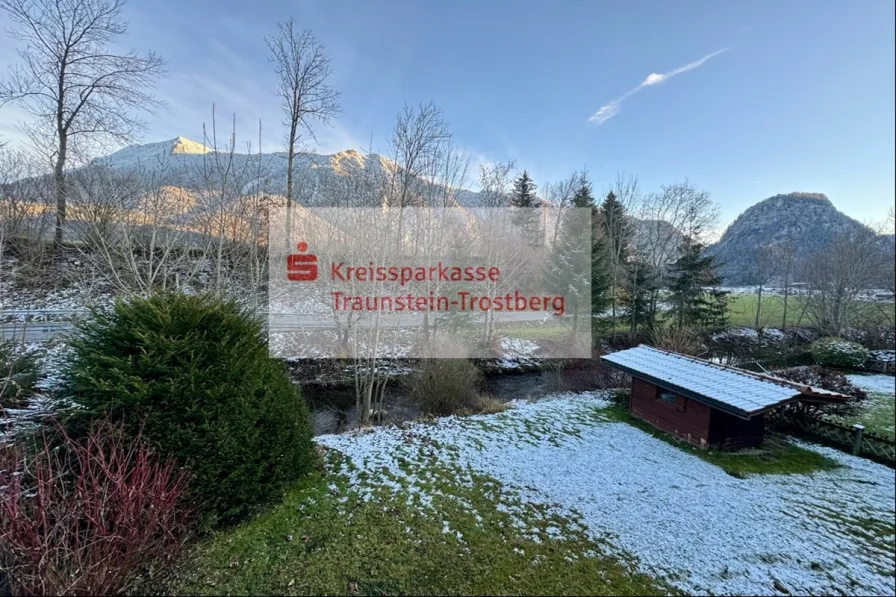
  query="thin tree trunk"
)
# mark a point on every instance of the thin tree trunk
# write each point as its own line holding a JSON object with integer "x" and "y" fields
{"x": 290, "y": 162}
{"x": 786, "y": 293}
{"x": 758, "y": 306}
{"x": 613, "y": 308}
{"x": 59, "y": 178}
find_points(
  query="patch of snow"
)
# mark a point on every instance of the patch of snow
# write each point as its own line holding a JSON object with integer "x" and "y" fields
{"x": 517, "y": 347}
{"x": 740, "y": 333}
{"x": 750, "y": 335}
{"x": 875, "y": 383}
{"x": 882, "y": 356}
{"x": 684, "y": 519}
{"x": 774, "y": 334}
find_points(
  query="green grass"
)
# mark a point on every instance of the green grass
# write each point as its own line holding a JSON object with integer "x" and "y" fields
{"x": 526, "y": 330}
{"x": 775, "y": 456}
{"x": 325, "y": 539}
{"x": 742, "y": 311}
{"x": 878, "y": 414}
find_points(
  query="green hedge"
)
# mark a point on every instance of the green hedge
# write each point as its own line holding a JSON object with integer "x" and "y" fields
{"x": 194, "y": 372}
{"x": 836, "y": 352}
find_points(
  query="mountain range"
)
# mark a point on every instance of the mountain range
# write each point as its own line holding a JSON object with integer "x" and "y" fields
{"x": 188, "y": 164}
{"x": 806, "y": 221}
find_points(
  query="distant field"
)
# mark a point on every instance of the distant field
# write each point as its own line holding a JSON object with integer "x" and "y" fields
{"x": 742, "y": 311}
{"x": 527, "y": 330}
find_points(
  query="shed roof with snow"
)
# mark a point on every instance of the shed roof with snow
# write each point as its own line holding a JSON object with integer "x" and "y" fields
{"x": 739, "y": 392}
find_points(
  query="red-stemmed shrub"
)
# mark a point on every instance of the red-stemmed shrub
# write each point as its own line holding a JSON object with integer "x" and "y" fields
{"x": 97, "y": 516}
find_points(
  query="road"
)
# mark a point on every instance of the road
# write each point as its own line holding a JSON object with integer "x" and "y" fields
{"x": 279, "y": 322}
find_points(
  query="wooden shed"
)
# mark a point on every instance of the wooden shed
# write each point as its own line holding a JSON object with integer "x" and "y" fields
{"x": 705, "y": 403}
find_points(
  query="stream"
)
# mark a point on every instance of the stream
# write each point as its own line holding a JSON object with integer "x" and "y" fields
{"x": 333, "y": 409}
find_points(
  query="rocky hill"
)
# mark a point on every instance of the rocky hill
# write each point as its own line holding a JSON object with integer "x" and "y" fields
{"x": 807, "y": 221}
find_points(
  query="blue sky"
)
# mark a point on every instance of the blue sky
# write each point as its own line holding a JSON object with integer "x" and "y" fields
{"x": 802, "y": 98}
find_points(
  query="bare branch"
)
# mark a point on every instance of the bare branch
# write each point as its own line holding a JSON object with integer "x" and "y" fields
{"x": 305, "y": 94}
{"x": 81, "y": 95}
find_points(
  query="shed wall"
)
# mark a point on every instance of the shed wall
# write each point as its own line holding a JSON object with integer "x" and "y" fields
{"x": 684, "y": 418}
{"x": 733, "y": 432}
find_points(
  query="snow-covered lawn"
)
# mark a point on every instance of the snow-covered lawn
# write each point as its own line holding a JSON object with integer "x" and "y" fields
{"x": 877, "y": 383}
{"x": 879, "y": 409}
{"x": 685, "y": 520}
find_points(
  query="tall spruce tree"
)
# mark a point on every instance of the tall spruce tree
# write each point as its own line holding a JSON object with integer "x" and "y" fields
{"x": 528, "y": 214}
{"x": 689, "y": 278}
{"x": 599, "y": 270}
{"x": 571, "y": 254}
{"x": 717, "y": 309}
{"x": 637, "y": 297}
{"x": 617, "y": 234}
{"x": 568, "y": 268}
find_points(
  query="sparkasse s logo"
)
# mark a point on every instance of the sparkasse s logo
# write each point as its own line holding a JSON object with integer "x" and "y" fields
{"x": 301, "y": 267}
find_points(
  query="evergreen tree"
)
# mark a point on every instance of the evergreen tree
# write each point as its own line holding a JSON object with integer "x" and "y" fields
{"x": 637, "y": 297}
{"x": 717, "y": 309}
{"x": 615, "y": 224}
{"x": 599, "y": 270}
{"x": 570, "y": 255}
{"x": 617, "y": 235}
{"x": 689, "y": 276}
{"x": 524, "y": 192}
{"x": 569, "y": 266}
{"x": 528, "y": 214}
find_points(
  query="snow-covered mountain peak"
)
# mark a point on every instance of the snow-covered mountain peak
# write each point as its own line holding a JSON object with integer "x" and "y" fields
{"x": 147, "y": 154}
{"x": 184, "y": 145}
{"x": 344, "y": 162}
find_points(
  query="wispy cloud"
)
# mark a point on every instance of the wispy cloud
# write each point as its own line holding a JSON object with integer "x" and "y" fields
{"x": 611, "y": 109}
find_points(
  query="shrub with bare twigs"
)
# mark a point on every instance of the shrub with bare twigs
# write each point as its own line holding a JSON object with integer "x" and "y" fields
{"x": 675, "y": 339}
{"x": 98, "y": 516}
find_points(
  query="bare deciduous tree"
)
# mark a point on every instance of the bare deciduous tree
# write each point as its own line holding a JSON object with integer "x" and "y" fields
{"x": 79, "y": 90}
{"x": 495, "y": 184}
{"x": 230, "y": 203}
{"x": 305, "y": 93}
{"x": 559, "y": 196}
{"x": 24, "y": 206}
{"x": 889, "y": 271}
{"x": 837, "y": 274}
{"x": 785, "y": 253}
{"x": 763, "y": 267}
{"x": 418, "y": 144}
{"x": 450, "y": 176}
{"x": 672, "y": 220}
{"x": 129, "y": 224}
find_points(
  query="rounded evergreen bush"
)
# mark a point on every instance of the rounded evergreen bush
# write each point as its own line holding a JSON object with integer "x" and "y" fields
{"x": 193, "y": 374}
{"x": 836, "y": 352}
